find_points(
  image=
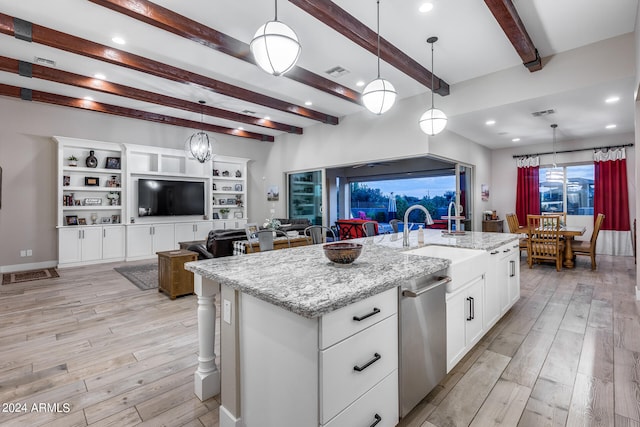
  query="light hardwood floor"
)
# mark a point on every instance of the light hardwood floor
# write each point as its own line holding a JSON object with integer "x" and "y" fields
{"x": 568, "y": 353}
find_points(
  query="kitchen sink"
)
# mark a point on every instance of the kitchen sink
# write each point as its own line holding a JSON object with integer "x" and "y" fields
{"x": 466, "y": 264}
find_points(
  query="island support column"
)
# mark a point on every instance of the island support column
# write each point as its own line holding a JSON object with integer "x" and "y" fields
{"x": 207, "y": 376}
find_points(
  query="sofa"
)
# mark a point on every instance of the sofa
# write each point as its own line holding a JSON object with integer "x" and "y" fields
{"x": 294, "y": 224}
{"x": 220, "y": 242}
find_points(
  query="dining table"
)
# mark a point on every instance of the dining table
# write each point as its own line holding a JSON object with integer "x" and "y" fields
{"x": 567, "y": 232}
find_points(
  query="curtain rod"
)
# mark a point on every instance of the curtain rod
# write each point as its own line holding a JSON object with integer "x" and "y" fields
{"x": 515, "y": 156}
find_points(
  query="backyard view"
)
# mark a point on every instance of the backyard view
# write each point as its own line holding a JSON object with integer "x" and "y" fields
{"x": 388, "y": 199}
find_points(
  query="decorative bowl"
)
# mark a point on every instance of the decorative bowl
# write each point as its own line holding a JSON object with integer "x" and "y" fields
{"x": 342, "y": 252}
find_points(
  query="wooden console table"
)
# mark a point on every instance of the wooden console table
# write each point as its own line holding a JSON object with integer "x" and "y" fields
{"x": 173, "y": 279}
{"x": 241, "y": 247}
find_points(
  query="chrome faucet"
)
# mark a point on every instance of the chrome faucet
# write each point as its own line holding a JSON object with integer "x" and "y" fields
{"x": 456, "y": 213}
{"x": 405, "y": 231}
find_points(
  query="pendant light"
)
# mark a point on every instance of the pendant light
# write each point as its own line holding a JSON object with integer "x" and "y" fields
{"x": 556, "y": 174}
{"x": 275, "y": 46}
{"x": 433, "y": 121}
{"x": 379, "y": 95}
{"x": 198, "y": 146}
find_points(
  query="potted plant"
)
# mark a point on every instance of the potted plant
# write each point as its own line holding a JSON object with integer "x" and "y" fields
{"x": 224, "y": 213}
{"x": 73, "y": 160}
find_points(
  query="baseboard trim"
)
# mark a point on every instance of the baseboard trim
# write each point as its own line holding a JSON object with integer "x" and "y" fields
{"x": 228, "y": 420}
{"x": 29, "y": 266}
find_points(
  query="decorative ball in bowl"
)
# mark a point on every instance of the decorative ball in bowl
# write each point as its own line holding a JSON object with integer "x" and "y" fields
{"x": 342, "y": 252}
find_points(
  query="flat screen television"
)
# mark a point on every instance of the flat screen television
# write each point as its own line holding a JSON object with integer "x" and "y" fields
{"x": 161, "y": 197}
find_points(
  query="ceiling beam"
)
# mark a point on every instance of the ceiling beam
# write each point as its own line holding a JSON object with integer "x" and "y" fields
{"x": 507, "y": 16}
{"x": 166, "y": 19}
{"x": 83, "y": 104}
{"x": 55, "y": 75}
{"x": 77, "y": 45}
{"x": 337, "y": 18}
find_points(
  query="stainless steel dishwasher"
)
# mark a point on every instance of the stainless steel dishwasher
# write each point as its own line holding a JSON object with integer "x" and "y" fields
{"x": 422, "y": 339}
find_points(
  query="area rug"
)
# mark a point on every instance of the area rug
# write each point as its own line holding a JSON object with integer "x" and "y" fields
{"x": 28, "y": 276}
{"x": 144, "y": 276}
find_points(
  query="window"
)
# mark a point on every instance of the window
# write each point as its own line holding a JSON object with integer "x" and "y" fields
{"x": 573, "y": 194}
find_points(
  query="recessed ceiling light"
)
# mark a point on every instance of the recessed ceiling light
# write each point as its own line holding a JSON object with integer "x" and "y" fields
{"x": 307, "y": 103}
{"x": 425, "y": 7}
{"x": 88, "y": 98}
{"x": 360, "y": 83}
{"x": 490, "y": 122}
{"x": 612, "y": 99}
{"x": 240, "y": 128}
{"x": 100, "y": 76}
{"x": 612, "y": 126}
{"x": 267, "y": 118}
{"x": 515, "y": 140}
{"x": 118, "y": 40}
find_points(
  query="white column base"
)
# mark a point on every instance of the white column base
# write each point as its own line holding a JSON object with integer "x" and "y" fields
{"x": 207, "y": 376}
{"x": 227, "y": 419}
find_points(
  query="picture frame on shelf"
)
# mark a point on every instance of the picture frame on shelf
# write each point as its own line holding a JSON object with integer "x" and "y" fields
{"x": 82, "y": 221}
{"x": 112, "y": 163}
{"x": 71, "y": 219}
{"x": 251, "y": 230}
{"x": 237, "y": 215}
{"x": 238, "y": 187}
{"x": 222, "y": 202}
{"x": 115, "y": 219}
{"x": 91, "y": 181}
{"x": 216, "y": 216}
{"x": 231, "y": 201}
{"x": 216, "y": 172}
{"x": 66, "y": 180}
{"x": 227, "y": 188}
{"x": 105, "y": 220}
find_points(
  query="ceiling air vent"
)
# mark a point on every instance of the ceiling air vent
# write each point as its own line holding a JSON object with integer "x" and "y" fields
{"x": 44, "y": 61}
{"x": 248, "y": 112}
{"x": 543, "y": 113}
{"x": 337, "y": 71}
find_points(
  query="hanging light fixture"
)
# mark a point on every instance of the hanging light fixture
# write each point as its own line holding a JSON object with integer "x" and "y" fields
{"x": 198, "y": 146}
{"x": 433, "y": 121}
{"x": 379, "y": 95}
{"x": 275, "y": 46}
{"x": 556, "y": 174}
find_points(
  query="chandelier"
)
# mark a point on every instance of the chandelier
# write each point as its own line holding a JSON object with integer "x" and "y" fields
{"x": 379, "y": 95}
{"x": 198, "y": 146}
{"x": 433, "y": 121}
{"x": 275, "y": 46}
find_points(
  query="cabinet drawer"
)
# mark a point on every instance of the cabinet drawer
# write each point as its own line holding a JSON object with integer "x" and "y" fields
{"x": 353, "y": 366}
{"x": 344, "y": 322}
{"x": 378, "y": 403}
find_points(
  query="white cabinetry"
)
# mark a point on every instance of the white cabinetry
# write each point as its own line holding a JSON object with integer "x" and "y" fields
{"x": 339, "y": 370}
{"x": 113, "y": 242}
{"x": 143, "y": 241}
{"x": 189, "y": 231}
{"x": 465, "y": 310}
{"x": 229, "y": 192}
{"x": 90, "y": 194}
{"x": 502, "y": 288}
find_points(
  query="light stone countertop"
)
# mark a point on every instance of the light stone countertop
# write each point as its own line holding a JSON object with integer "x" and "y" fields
{"x": 302, "y": 280}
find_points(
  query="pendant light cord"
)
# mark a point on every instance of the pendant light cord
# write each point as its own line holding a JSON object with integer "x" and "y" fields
{"x": 432, "y": 72}
{"x": 554, "y": 126}
{"x": 378, "y": 29}
{"x": 276, "y": 2}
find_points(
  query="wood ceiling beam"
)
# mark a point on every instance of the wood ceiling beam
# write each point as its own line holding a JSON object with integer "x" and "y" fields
{"x": 160, "y": 17}
{"x": 337, "y": 18}
{"x": 507, "y": 16}
{"x": 83, "y": 104}
{"x": 79, "y": 46}
{"x": 55, "y": 75}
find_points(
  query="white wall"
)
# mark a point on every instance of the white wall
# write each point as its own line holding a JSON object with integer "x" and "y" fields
{"x": 504, "y": 172}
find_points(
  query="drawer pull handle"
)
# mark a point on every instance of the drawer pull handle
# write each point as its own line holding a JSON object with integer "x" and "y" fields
{"x": 378, "y": 419}
{"x": 376, "y": 357}
{"x": 361, "y": 318}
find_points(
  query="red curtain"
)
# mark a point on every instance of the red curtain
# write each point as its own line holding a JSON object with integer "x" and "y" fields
{"x": 610, "y": 195}
{"x": 528, "y": 193}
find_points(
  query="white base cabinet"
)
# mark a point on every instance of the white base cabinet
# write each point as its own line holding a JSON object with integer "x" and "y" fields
{"x": 465, "y": 326}
{"x": 143, "y": 241}
{"x": 189, "y": 231}
{"x": 332, "y": 371}
{"x": 229, "y": 224}
{"x": 502, "y": 288}
{"x": 88, "y": 245}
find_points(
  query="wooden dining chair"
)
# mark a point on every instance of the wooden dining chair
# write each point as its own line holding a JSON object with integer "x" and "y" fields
{"x": 369, "y": 228}
{"x": 318, "y": 234}
{"x": 514, "y": 227}
{"x": 588, "y": 248}
{"x": 543, "y": 240}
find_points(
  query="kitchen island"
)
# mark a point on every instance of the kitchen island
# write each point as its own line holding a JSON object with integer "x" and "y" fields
{"x": 283, "y": 329}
